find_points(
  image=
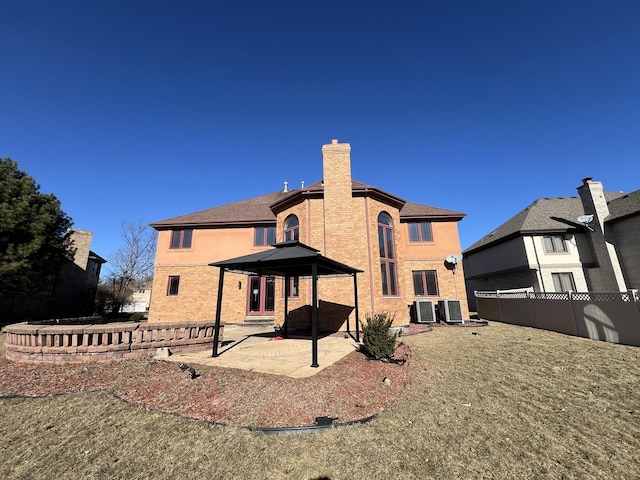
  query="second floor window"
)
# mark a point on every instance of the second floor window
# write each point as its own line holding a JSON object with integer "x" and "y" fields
{"x": 554, "y": 244}
{"x": 387, "y": 255}
{"x": 264, "y": 236}
{"x": 181, "y": 238}
{"x": 291, "y": 228}
{"x": 420, "y": 232}
{"x": 563, "y": 282}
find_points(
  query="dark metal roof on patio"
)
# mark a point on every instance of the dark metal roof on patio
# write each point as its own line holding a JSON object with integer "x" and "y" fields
{"x": 286, "y": 259}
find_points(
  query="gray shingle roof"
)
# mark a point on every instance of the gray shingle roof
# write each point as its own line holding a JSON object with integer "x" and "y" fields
{"x": 549, "y": 215}
{"x": 624, "y": 205}
{"x": 257, "y": 210}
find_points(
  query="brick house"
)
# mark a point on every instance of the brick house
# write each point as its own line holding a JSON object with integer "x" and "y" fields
{"x": 400, "y": 246}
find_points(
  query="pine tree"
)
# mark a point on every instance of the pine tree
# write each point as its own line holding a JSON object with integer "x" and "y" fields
{"x": 33, "y": 232}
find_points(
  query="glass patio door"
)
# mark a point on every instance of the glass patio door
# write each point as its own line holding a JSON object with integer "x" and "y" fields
{"x": 262, "y": 296}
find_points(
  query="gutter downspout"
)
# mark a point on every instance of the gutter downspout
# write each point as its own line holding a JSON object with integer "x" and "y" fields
{"x": 538, "y": 273}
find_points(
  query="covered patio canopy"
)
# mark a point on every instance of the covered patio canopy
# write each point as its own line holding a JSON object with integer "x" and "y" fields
{"x": 288, "y": 259}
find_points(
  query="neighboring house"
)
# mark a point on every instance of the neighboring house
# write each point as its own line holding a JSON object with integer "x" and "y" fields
{"x": 400, "y": 246}
{"x": 70, "y": 292}
{"x": 75, "y": 285}
{"x": 139, "y": 301}
{"x": 585, "y": 243}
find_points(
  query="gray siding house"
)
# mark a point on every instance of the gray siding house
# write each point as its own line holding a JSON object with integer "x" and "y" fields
{"x": 586, "y": 243}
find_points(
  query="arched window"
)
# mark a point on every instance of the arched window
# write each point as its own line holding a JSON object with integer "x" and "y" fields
{"x": 291, "y": 228}
{"x": 387, "y": 254}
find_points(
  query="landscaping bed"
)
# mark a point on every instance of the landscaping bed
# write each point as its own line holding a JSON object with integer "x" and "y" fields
{"x": 352, "y": 389}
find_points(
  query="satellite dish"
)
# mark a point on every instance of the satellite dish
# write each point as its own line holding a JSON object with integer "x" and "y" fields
{"x": 585, "y": 219}
{"x": 451, "y": 262}
{"x": 454, "y": 258}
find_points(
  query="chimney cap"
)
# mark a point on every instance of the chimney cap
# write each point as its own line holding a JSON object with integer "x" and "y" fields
{"x": 587, "y": 180}
{"x": 334, "y": 141}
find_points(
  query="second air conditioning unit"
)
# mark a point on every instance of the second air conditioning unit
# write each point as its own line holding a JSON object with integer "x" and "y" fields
{"x": 425, "y": 311}
{"x": 450, "y": 311}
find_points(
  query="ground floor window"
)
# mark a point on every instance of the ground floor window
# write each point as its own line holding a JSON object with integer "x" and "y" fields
{"x": 262, "y": 295}
{"x": 425, "y": 283}
{"x": 173, "y": 285}
{"x": 563, "y": 282}
{"x": 294, "y": 287}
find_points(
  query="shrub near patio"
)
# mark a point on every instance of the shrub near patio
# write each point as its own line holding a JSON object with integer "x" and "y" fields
{"x": 378, "y": 341}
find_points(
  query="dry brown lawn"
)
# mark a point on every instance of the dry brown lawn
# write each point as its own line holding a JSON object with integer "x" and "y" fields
{"x": 511, "y": 402}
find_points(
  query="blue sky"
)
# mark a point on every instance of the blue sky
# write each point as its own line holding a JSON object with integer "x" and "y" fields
{"x": 140, "y": 111}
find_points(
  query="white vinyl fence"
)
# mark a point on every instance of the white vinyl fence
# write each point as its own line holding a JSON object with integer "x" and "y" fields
{"x": 609, "y": 316}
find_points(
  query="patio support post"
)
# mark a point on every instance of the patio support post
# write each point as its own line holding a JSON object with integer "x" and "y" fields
{"x": 355, "y": 293}
{"x": 314, "y": 316}
{"x": 287, "y": 287}
{"x": 216, "y": 334}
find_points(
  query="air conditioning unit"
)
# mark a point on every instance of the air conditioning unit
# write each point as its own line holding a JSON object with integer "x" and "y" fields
{"x": 425, "y": 311}
{"x": 450, "y": 311}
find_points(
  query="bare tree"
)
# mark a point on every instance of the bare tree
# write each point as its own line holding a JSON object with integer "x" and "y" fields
{"x": 132, "y": 265}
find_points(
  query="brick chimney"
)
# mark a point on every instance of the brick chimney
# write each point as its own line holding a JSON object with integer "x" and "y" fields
{"x": 336, "y": 168}
{"x": 607, "y": 275}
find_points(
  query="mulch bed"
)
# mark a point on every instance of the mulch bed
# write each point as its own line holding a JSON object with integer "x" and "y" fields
{"x": 352, "y": 389}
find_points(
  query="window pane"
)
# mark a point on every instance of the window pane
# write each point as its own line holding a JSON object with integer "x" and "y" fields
{"x": 186, "y": 238}
{"x": 418, "y": 286}
{"x": 390, "y": 252}
{"x": 175, "y": 239}
{"x": 291, "y": 221}
{"x": 393, "y": 286}
{"x": 432, "y": 283}
{"x": 548, "y": 244}
{"x": 383, "y": 271}
{"x": 254, "y": 294}
{"x": 296, "y": 233}
{"x": 426, "y": 231}
{"x": 271, "y": 235}
{"x": 258, "y": 237}
{"x": 384, "y": 218}
{"x": 173, "y": 286}
{"x": 381, "y": 241}
{"x": 413, "y": 232}
{"x": 270, "y": 297}
{"x": 294, "y": 287}
{"x": 558, "y": 242}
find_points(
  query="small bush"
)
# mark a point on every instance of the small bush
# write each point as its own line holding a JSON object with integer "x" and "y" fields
{"x": 378, "y": 342}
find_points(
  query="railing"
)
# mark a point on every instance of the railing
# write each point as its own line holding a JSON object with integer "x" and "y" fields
{"x": 82, "y": 343}
{"x": 609, "y": 316}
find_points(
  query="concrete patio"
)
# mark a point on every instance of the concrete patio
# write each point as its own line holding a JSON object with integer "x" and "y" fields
{"x": 255, "y": 348}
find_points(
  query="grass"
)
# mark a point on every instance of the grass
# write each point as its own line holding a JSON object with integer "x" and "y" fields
{"x": 511, "y": 402}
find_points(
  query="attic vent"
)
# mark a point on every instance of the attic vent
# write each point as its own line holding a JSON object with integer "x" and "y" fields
{"x": 286, "y": 187}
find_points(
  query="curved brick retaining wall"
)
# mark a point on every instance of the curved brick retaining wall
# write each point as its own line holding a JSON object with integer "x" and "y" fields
{"x": 85, "y": 343}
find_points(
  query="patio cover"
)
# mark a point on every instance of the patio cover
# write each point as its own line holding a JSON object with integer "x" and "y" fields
{"x": 286, "y": 260}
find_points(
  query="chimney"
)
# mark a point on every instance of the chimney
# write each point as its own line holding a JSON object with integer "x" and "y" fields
{"x": 336, "y": 168}
{"x": 607, "y": 275}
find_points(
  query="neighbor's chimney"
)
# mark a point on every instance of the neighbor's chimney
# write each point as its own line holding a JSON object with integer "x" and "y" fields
{"x": 607, "y": 275}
